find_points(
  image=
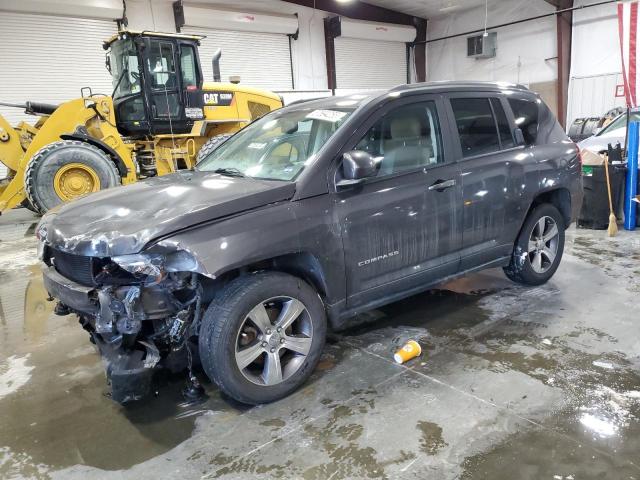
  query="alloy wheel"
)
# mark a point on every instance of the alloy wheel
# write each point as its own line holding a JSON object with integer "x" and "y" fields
{"x": 543, "y": 244}
{"x": 274, "y": 340}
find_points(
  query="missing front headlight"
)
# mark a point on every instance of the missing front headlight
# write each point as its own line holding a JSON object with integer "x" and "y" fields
{"x": 155, "y": 265}
{"x": 141, "y": 264}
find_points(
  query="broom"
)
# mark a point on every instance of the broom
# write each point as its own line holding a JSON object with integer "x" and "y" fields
{"x": 613, "y": 222}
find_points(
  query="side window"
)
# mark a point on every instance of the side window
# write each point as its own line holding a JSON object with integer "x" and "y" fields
{"x": 504, "y": 129}
{"x": 188, "y": 66}
{"x": 476, "y": 126}
{"x": 526, "y": 114}
{"x": 406, "y": 138}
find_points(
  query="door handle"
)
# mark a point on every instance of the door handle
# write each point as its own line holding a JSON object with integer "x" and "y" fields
{"x": 442, "y": 185}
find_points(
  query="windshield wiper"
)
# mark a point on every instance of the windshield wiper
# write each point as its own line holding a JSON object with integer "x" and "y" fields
{"x": 231, "y": 172}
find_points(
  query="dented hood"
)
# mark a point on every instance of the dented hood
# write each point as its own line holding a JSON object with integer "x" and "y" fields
{"x": 123, "y": 220}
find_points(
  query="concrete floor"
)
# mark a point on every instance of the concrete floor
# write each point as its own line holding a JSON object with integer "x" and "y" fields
{"x": 526, "y": 383}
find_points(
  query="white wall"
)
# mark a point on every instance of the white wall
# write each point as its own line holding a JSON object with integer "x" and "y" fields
{"x": 595, "y": 62}
{"x": 526, "y": 52}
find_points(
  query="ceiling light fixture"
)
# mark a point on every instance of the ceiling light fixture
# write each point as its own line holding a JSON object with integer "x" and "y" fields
{"x": 449, "y": 8}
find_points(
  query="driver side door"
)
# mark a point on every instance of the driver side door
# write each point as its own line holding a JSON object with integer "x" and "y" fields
{"x": 163, "y": 85}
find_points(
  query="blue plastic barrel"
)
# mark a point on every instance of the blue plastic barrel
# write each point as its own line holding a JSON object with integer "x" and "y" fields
{"x": 632, "y": 178}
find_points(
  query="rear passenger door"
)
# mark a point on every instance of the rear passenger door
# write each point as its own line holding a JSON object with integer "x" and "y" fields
{"x": 401, "y": 229}
{"x": 492, "y": 174}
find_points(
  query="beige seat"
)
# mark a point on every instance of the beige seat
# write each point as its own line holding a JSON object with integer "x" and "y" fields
{"x": 406, "y": 148}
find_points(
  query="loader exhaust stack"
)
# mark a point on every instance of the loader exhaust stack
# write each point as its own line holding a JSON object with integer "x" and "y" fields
{"x": 216, "y": 65}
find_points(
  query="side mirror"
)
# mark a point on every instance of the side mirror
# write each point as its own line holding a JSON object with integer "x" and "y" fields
{"x": 519, "y": 136}
{"x": 107, "y": 62}
{"x": 356, "y": 166}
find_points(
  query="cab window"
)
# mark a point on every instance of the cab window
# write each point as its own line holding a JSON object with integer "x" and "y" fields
{"x": 161, "y": 66}
{"x": 188, "y": 66}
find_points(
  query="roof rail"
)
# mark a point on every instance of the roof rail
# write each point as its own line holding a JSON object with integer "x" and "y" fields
{"x": 457, "y": 83}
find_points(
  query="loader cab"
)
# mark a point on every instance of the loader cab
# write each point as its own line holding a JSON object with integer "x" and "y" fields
{"x": 157, "y": 82}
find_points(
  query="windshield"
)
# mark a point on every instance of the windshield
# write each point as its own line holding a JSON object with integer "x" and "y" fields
{"x": 617, "y": 124}
{"x": 125, "y": 70}
{"x": 276, "y": 147}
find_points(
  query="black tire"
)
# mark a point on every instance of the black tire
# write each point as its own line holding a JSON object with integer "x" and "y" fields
{"x": 226, "y": 315}
{"x": 520, "y": 268}
{"x": 211, "y": 145}
{"x": 42, "y": 169}
{"x": 27, "y": 204}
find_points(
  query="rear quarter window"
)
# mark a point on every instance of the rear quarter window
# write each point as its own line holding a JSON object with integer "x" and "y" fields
{"x": 526, "y": 113}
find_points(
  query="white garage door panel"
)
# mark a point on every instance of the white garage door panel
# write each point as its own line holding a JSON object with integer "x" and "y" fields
{"x": 593, "y": 96}
{"x": 366, "y": 64}
{"x": 261, "y": 59}
{"x": 48, "y": 59}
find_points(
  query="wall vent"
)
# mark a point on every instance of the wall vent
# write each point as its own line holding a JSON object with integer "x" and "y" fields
{"x": 480, "y": 46}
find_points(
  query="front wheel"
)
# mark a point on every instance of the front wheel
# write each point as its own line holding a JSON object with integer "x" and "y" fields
{"x": 66, "y": 170}
{"x": 262, "y": 336}
{"x": 539, "y": 247}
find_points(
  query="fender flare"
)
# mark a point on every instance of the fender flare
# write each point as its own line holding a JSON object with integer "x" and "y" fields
{"x": 120, "y": 165}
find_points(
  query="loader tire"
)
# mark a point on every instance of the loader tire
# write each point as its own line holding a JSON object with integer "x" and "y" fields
{"x": 66, "y": 170}
{"x": 211, "y": 145}
{"x": 27, "y": 204}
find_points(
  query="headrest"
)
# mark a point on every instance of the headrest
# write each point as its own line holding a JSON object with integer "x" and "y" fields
{"x": 405, "y": 127}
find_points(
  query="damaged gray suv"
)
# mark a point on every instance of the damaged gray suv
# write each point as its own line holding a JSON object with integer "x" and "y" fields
{"x": 305, "y": 218}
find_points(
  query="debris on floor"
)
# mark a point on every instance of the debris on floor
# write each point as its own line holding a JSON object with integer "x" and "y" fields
{"x": 410, "y": 350}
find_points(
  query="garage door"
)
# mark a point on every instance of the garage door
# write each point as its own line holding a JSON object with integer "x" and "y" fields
{"x": 366, "y": 64}
{"x": 48, "y": 59}
{"x": 261, "y": 59}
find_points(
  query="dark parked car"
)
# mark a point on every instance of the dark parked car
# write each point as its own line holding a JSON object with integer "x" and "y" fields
{"x": 306, "y": 217}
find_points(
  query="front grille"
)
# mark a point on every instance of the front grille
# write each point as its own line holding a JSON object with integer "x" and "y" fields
{"x": 78, "y": 268}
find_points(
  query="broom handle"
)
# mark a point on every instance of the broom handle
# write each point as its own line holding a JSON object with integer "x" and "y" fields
{"x": 606, "y": 172}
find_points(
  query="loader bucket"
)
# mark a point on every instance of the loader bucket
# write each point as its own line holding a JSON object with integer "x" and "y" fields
{"x": 11, "y": 152}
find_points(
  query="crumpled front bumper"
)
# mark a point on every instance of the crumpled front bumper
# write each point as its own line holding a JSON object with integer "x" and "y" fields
{"x": 129, "y": 372}
{"x": 75, "y": 296}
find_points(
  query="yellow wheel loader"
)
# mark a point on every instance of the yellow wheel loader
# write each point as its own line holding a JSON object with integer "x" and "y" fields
{"x": 160, "y": 117}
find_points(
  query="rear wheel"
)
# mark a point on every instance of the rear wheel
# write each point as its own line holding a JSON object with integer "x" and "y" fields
{"x": 65, "y": 170}
{"x": 262, "y": 336}
{"x": 539, "y": 247}
{"x": 211, "y": 145}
